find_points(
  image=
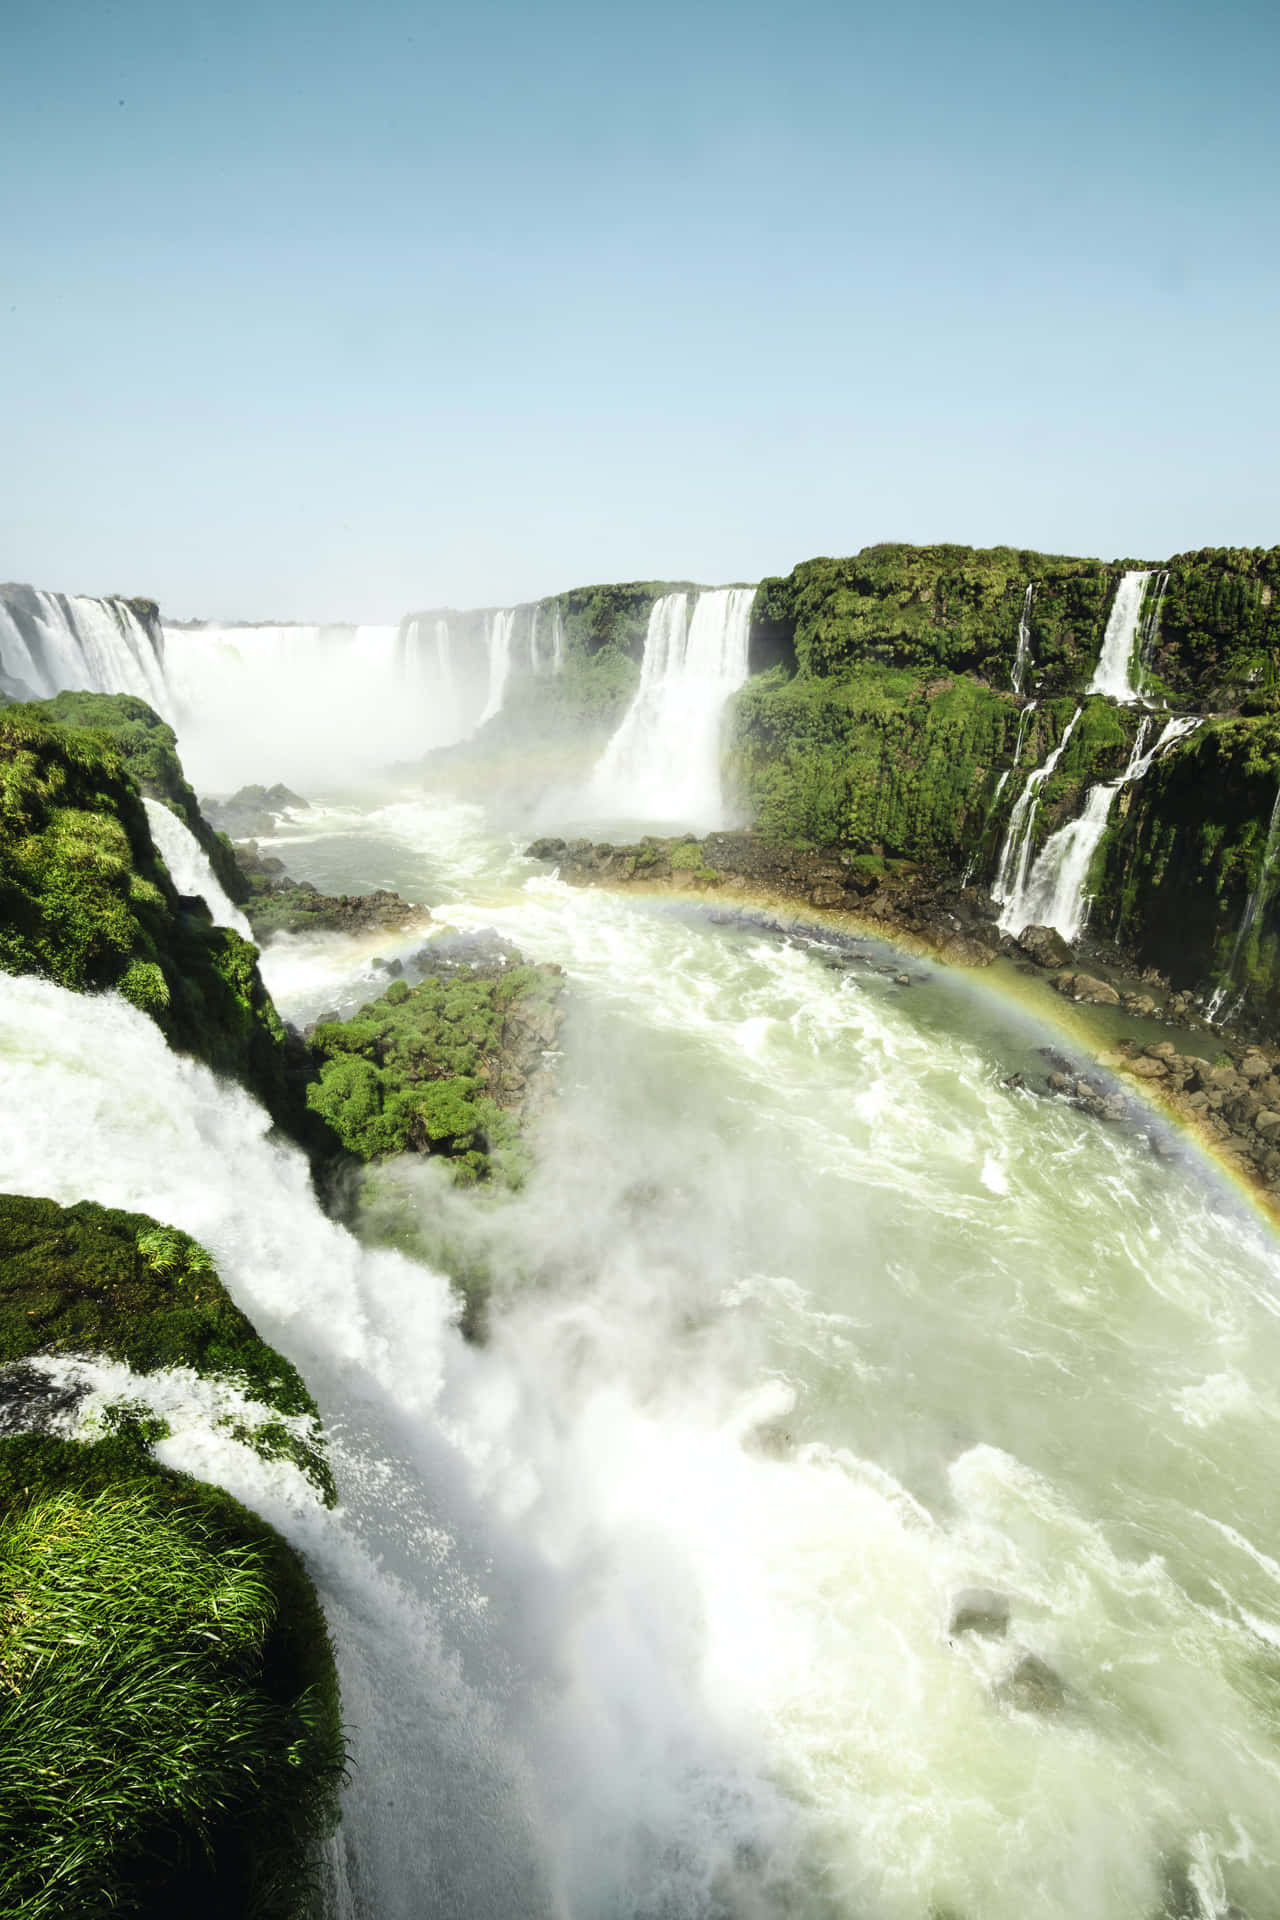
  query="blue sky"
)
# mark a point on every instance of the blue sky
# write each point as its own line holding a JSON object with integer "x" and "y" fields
{"x": 331, "y": 311}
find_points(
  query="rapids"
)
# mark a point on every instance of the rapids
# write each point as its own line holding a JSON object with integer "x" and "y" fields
{"x": 805, "y": 1323}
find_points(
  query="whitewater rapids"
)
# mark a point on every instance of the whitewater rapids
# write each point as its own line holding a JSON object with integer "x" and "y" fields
{"x": 806, "y": 1323}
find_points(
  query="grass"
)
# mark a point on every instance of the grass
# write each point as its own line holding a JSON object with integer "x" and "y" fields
{"x": 168, "y": 1713}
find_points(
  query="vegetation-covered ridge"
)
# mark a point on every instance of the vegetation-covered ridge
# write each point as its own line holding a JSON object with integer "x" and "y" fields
{"x": 86, "y": 901}
{"x": 446, "y": 1067}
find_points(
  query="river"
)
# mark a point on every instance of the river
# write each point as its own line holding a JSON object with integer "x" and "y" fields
{"x": 805, "y": 1324}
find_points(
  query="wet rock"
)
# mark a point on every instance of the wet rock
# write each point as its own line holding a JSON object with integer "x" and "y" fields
{"x": 1044, "y": 945}
{"x": 826, "y": 895}
{"x": 548, "y": 849}
{"x": 30, "y": 1402}
{"x": 1266, "y": 1122}
{"x": 1145, "y": 1068}
{"x": 1255, "y": 1066}
{"x": 1033, "y": 1687}
{"x": 1087, "y": 987}
{"x": 980, "y": 1610}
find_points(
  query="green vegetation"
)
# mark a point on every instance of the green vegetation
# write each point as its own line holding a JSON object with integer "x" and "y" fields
{"x": 148, "y": 747}
{"x": 86, "y": 902}
{"x": 168, "y": 1706}
{"x": 942, "y": 609}
{"x": 1217, "y": 643}
{"x": 91, "y": 1279}
{"x": 1183, "y": 853}
{"x": 428, "y": 1069}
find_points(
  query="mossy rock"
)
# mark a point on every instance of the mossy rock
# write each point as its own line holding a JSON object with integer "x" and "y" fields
{"x": 86, "y": 901}
{"x": 425, "y": 1068}
{"x": 87, "y": 1279}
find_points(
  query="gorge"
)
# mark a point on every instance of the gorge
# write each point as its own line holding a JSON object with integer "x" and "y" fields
{"x": 831, "y": 1479}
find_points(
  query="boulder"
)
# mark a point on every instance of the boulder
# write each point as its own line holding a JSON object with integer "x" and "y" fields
{"x": 980, "y": 1610}
{"x": 826, "y": 894}
{"x": 548, "y": 849}
{"x": 1044, "y": 945}
{"x": 1033, "y": 1687}
{"x": 1085, "y": 986}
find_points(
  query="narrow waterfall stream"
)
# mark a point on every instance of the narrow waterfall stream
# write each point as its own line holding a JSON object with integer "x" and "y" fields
{"x": 189, "y": 867}
{"x": 500, "y": 625}
{"x": 805, "y": 1324}
{"x": 1055, "y": 890}
{"x": 1014, "y": 862}
{"x": 1222, "y": 997}
{"x": 1022, "y": 655}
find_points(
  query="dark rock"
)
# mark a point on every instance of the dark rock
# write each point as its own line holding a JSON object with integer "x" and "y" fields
{"x": 1033, "y": 1687}
{"x": 980, "y": 1610}
{"x": 547, "y": 849}
{"x": 1045, "y": 945}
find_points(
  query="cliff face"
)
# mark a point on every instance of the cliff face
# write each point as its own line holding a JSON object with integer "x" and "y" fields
{"x": 86, "y": 901}
{"x": 882, "y": 718}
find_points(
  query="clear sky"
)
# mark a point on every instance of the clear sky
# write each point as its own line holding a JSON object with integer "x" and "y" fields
{"x": 330, "y": 311}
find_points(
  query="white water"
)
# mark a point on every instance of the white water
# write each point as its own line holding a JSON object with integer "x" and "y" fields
{"x": 642, "y": 1608}
{"x": 189, "y": 867}
{"x": 499, "y": 644}
{"x": 1259, "y": 894}
{"x": 1055, "y": 893}
{"x": 1019, "y": 839}
{"x": 663, "y": 763}
{"x": 55, "y": 642}
{"x": 306, "y": 705}
{"x": 1115, "y": 663}
{"x": 1022, "y": 658}
{"x": 557, "y": 644}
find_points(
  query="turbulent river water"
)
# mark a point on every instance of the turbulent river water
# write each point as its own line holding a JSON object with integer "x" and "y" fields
{"x": 805, "y": 1323}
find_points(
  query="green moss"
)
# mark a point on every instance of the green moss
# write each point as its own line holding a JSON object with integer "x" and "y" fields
{"x": 148, "y": 747}
{"x": 91, "y": 1279}
{"x": 168, "y": 1704}
{"x": 422, "y": 1069}
{"x": 85, "y": 901}
{"x": 934, "y": 609}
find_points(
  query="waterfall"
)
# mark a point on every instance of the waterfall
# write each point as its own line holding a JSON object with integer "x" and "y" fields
{"x": 1022, "y": 658}
{"x": 189, "y": 867}
{"x": 500, "y": 625}
{"x": 663, "y": 763}
{"x": 1258, "y": 897}
{"x": 535, "y": 664}
{"x": 56, "y": 642}
{"x": 1019, "y": 839}
{"x": 1111, "y": 675}
{"x": 1149, "y": 624}
{"x": 557, "y": 644}
{"x": 1053, "y": 894}
{"x": 307, "y": 704}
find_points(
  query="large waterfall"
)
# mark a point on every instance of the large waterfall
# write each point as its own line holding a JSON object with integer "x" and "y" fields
{"x": 1019, "y": 840}
{"x": 1115, "y": 663}
{"x": 58, "y": 642}
{"x": 309, "y": 705}
{"x": 663, "y": 763}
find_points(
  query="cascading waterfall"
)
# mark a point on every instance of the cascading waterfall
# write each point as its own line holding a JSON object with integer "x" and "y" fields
{"x": 663, "y": 763}
{"x": 1019, "y": 839}
{"x": 499, "y": 643}
{"x": 535, "y": 658}
{"x": 1259, "y": 895}
{"x": 1112, "y": 674}
{"x": 557, "y": 644}
{"x": 1023, "y": 723}
{"x": 56, "y": 643}
{"x": 1022, "y": 658}
{"x": 1054, "y": 892}
{"x": 189, "y": 867}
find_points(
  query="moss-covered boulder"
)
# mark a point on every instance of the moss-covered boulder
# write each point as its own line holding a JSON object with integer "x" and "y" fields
{"x": 87, "y": 1279}
{"x": 445, "y": 1067}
